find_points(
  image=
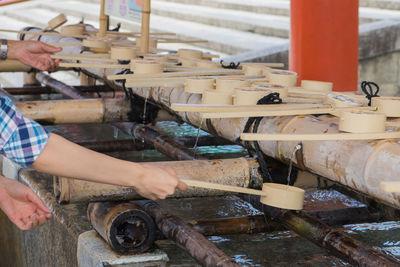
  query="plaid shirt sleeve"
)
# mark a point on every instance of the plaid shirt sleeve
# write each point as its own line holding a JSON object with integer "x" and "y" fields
{"x": 21, "y": 139}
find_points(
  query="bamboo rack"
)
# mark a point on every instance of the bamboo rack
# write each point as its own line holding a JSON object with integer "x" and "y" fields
{"x": 175, "y": 74}
{"x": 318, "y": 137}
{"x": 277, "y": 112}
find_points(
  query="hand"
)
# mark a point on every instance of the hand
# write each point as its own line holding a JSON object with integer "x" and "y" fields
{"x": 158, "y": 182}
{"x": 34, "y": 53}
{"x": 21, "y": 205}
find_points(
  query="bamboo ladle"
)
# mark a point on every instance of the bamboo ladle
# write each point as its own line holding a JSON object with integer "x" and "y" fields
{"x": 54, "y": 23}
{"x": 272, "y": 194}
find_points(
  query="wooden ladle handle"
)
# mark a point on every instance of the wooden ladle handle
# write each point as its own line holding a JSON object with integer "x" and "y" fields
{"x": 229, "y": 188}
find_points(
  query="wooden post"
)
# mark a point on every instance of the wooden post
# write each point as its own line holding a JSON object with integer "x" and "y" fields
{"x": 145, "y": 36}
{"x": 102, "y": 20}
{"x": 324, "y": 42}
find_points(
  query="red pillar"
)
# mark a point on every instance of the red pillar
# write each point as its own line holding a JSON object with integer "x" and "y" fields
{"x": 324, "y": 41}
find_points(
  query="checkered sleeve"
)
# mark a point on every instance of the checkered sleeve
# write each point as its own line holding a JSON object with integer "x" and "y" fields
{"x": 21, "y": 139}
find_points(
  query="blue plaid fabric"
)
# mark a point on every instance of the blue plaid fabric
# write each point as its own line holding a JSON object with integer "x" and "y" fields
{"x": 21, "y": 139}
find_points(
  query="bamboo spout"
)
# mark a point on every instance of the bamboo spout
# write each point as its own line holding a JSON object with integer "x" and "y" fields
{"x": 124, "y": 226}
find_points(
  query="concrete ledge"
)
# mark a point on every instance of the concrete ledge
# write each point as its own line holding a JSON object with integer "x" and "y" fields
{"x": 94, "y": 252}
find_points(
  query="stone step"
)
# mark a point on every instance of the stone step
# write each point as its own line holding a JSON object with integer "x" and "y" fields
{"x": 272, "y": 7}
{"x": 282, "y": 7}
{"x": 264, "y": 24}
{"x": 382, "y": 4}
{"x": 228, "y": 41}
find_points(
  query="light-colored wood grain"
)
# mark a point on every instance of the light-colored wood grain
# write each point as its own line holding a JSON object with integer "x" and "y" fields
{"x": 318, "y": 137}
{"x": 276, "y": 195}
{"x": 231, "y": 108}
{"x": 175, "y": 74}
{"x": 391, "y": 186}
{"x": 269, "y": 65}
{"x": 65, "y": 44}
{"x": 170, "y": 79}
{"x": 393, "y": 124}
{"x": 228, "y": 188}
{"x": 84, "y": 58}
{"x": 291, "y": 99}
{"x": 156, "y": 84}
{"x": 93, "y": 65}
{"x": 282, "y": 112}
{"x": 133, "y": 34}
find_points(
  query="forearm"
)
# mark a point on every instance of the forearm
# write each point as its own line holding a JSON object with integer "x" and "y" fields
{"x": 64, "y": 158}
{"x": 12, "y": 49}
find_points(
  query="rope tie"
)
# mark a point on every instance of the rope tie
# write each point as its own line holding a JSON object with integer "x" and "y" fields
{"x": 370, "y": 89}
{"x": 231, "y": 65}
{"x": 272, "y": 98}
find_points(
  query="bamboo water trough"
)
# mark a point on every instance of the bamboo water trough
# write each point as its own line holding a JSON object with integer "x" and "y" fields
{"x": 357, "y": 164}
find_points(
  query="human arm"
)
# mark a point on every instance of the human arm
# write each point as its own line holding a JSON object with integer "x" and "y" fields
{"x": 28, "y": 144}
{"x": 21, "y": 205}
{"x": 64, "y": 158}
{"x": 33, "y": 53}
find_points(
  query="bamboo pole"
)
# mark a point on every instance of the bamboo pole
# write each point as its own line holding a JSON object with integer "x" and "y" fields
{"x": 317, "y": 232}
{"x": 236, "y": 225}
{"x": 162, "y": 143}
{"x": 37, "y": 90}
{"x": 58, "y": 86}
{"x": 176, "y": 74}
{"x": 232, "y": 108}
{"x": 237, "y": 172}
{"x": 12, "y": 65}
{"x": 130, "y": 145}
{"x": 192, "y": 241}
{"x": 113, "y": 145}
{"x": 145, "y": 32}
{"x": 319, "y": 137}
{"x": 103, "y": 20}
{"x": 76, "y": 111}
{"x": 360, "y": 165}
{"x": 124, "y": 226}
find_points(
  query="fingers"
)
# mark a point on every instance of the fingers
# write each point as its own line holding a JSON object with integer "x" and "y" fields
{"x": 49, "y": 48}
{"x": 30, "y": 222}
{"x": 38, "y": 202}
{"x": 182, "y": 186}
{"x": 45, "y": 63}
{"x": 41, "y": 220}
